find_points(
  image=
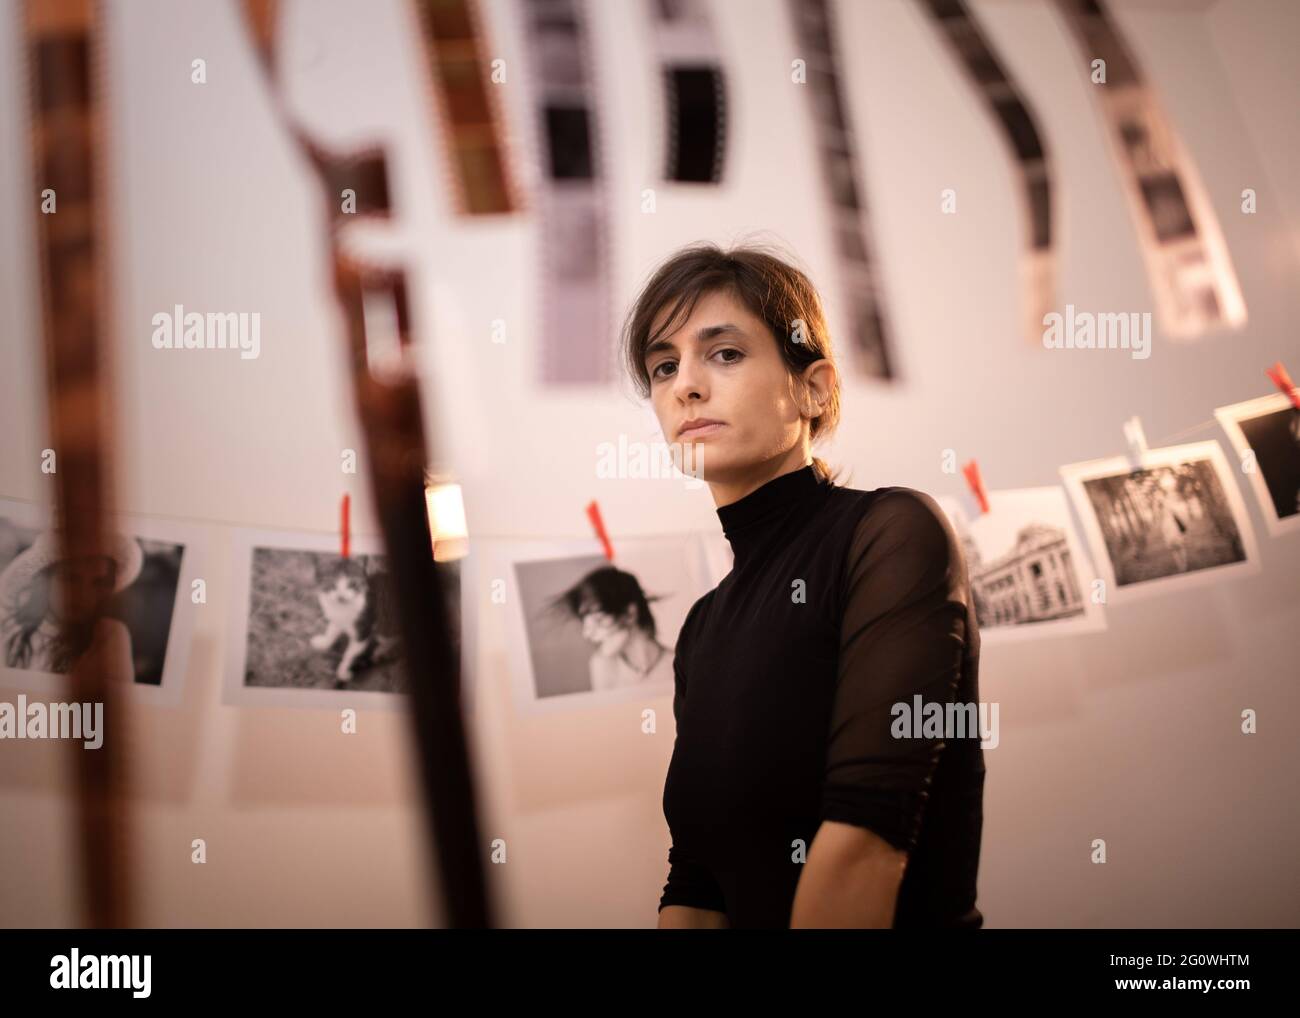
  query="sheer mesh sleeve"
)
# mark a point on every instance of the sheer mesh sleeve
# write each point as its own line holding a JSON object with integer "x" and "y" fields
{"x": 690, "y": 882}
{"x": 903, "y": 634}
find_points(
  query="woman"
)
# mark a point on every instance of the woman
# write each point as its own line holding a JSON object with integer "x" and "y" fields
{"x": 798, "y": 793}
{"x": 615, "y": 616}
{"x": 44, "y": 630}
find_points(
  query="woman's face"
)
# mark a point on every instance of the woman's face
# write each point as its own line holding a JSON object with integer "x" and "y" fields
{"x": 605, "y": 630}
{"x": 723, "y": 364}
{"x": 91, "y": 581}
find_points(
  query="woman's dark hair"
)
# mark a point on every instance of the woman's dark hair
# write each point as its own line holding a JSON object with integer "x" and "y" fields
{"x": 71, "y": 638}
{"x": 612, "y": 589}
{"x": 771, "y": 289}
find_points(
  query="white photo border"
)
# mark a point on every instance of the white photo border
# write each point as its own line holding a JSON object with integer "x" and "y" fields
{"x": 1074, "y": 475}
{"x": 1093, "y": 619}
{"x": 195, "y": 546}
{"x": 1230, "y": 418}
{"x": 506, "y": 554}
{"x": 233, "y": 691}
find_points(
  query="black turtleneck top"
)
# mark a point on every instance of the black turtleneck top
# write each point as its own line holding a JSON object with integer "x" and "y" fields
{"x": 840, "y": 604}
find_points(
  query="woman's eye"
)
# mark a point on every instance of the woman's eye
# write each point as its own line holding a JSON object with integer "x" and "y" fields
{"x": 739, "y": 356}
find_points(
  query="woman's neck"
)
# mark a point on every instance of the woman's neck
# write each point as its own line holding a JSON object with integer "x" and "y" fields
{"x": 731, "y": 489}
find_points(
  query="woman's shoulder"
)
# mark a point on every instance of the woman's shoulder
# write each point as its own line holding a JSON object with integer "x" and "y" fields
{"x": 894, "y": 508}
{"x": 897, "y": 530}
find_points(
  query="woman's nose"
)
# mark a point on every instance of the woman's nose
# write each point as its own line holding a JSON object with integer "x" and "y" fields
{"x": 687, "y": 378}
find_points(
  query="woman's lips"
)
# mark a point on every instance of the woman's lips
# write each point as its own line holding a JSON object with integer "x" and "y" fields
{"x": 701, "y": 431}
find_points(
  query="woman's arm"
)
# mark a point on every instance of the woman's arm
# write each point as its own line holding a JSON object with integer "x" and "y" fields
{"x": 691, "y": 899}
{"x": 903, "y": 638}
{"x": 851, "y": 879}
{"x": 684, "y": 917}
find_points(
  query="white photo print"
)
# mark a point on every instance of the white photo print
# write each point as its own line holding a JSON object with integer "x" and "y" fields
{"x": 1174, "y": 519}
{"x": 310, "y": 624}
{"x": 1265, "y": 434}
{"x": 1029, "y": 574}
{"x": 142, "y": 608}
{"x": 585, "y": 627}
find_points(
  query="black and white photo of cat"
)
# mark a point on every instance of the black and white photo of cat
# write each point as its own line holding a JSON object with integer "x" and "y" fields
{"x": 358, "y": 609}
{"x": 317, "y": 620}
{"x": 312, "y": 628}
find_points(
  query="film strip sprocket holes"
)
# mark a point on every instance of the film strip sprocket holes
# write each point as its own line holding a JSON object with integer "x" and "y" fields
{"x": 695, "y": 95}
{"x": 69, "y": 158}
{"x": 1187, "y": 260}
{"x": 872, "y": 353}
{"x": 1008, "y": 105}
{"x": 473, "y": 134}
{"x": 572, "y": 206}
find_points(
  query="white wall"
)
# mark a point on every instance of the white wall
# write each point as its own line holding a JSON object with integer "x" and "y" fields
{"x": 1130, "y": 735}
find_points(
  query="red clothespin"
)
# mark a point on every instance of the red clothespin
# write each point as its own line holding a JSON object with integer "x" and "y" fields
{"x": 1283, "y": 382}
{"x": 593, "y": 514}
{"x": 972, "y": 472}
{"x": 345, "y": 525}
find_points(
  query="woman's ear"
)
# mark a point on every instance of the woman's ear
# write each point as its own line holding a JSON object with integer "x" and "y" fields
{"x": 819, "y": 379}
{"x": 814, "y": 387}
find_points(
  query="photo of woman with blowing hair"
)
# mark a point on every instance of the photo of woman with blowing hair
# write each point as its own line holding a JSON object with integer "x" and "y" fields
{"x": 615, "y": 616}
{"x": 802, "y": 790}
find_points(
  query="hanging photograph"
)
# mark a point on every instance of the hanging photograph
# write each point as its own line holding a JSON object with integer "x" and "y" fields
{"x": 1265, "y": 434}
{"x": 587, "y": 630}
{"x": 309, "y": 627}
{"x": 142, "y": 603}
{"x": 1029, "y": 574}
{"x": 1175, "y": 519}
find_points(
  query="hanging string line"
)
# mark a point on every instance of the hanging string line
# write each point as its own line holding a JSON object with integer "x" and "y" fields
{"x": 512, "y": 535}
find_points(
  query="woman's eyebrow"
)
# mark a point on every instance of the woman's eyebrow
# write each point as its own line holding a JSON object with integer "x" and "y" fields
{"x": 703, "y": 334}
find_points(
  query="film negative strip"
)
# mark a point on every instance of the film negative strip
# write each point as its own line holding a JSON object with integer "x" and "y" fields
{"x": 473, "y": 133}
{"x": 387, "y": 392}
{"x": 695, "y": 93}
{"x": 1012, "y": 112}
{"x": 355, "y": 182}
{"x": 868, "y": 323}
{"x": 572, "y": 207}
{"x": 1187, "y": 259}
{"x": 69, "y": 169}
